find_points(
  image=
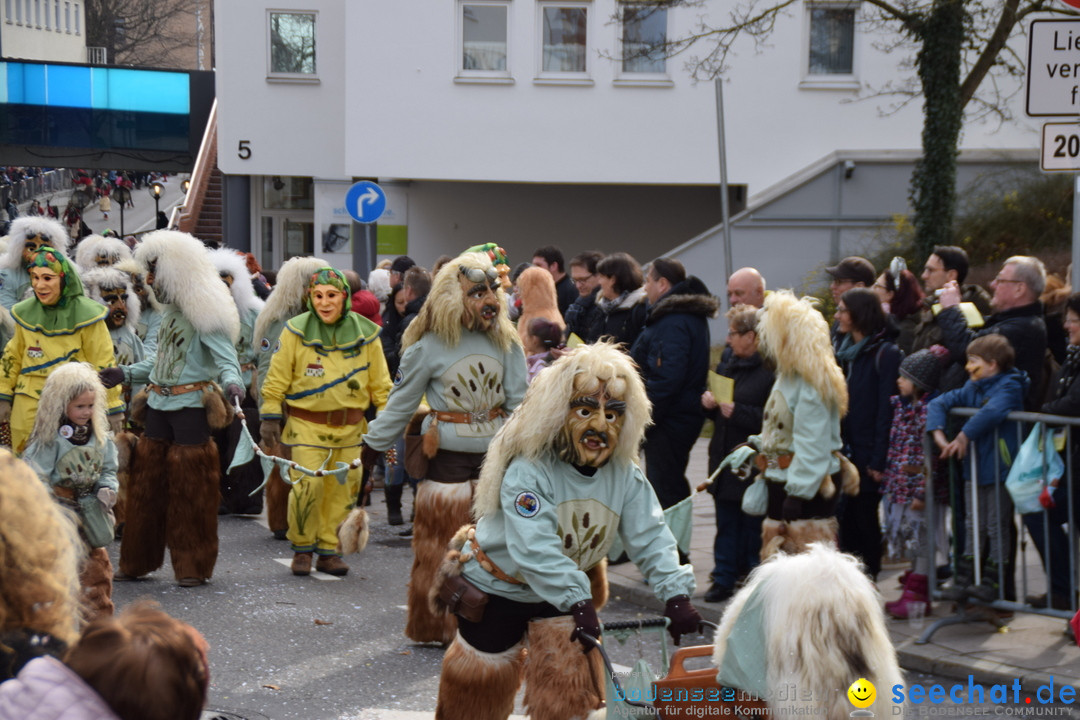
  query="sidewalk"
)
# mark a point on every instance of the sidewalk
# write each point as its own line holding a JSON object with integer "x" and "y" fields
{"x": 1031, "y": 647}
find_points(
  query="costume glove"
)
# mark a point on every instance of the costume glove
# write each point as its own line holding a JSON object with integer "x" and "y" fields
{"x": 737, "y": 458}
{"x": 111, "y": 376}
{"x": 369, "y": 456}
{"x": 116, "y": 423}
{"x": 585, "y": 623}
{"x": 792, "y": 509}
{"x": 234, "y": 394}
{"x": 5, "y": 411}
{"x": 684, "y": 618}
{"x": 1046, "y": 498}
{"x": 270, "y": 432}
{"x": 107, "y": 497}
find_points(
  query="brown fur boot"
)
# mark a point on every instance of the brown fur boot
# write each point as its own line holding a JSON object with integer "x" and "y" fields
{"x": 143, "y": 548}
{"x": 125, "y": 449}
{"x": 95, "y": 578}
{"x": 191, "y": 526}
{"x": 475, "y": 685}
{"x": 441, "y": 509}
{"x": 561, "y": 682}
{"x": 599, "y": 584}
{"x": 795, "y": 536}
{"x": 277, "y": 497}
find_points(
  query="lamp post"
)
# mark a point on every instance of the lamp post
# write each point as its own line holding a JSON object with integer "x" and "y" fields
{"x": 156, "y": 191}
{"x": 122, "y": 195}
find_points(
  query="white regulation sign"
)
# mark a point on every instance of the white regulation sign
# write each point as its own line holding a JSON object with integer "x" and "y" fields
{"x": 1060, "y": 147}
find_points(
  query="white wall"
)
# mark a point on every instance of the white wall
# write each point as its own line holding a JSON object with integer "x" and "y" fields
{"x": 34, "y": 36}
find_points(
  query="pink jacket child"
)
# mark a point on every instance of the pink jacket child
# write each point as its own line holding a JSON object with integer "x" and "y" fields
{"x": 46, "y": 689}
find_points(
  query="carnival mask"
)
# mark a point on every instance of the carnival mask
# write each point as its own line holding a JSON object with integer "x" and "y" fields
{"x": 47, "y": 283}
{"x": 115, "y": 300}
{"x": 104, "y": 260}
{"x": 479, "y": 287}
{"x": 30, "y": 248}
{"x": 591, "y": 431}
{"x": 328, "y": 302}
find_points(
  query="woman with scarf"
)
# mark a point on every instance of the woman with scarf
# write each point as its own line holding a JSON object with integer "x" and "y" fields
{"x": 621, "y": 300}
{"x": 871, "y": 362}
{"x": 328, "y": 368}
{"x": 59, "y": 324}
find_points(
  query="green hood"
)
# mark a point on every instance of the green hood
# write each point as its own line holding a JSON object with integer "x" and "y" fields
{"x": 72, "y": 312}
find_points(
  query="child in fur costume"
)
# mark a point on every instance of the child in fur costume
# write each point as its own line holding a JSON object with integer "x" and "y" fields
{"x": 329, "y": 366}
{"x": 287, "y": 301}
{"x": 811, "y": 621}
{"x": 58, "y": 324}
{"x": 798, "y": 450}
{"x": 71, "y": 451}
{"x": 559, "y": 482}
{"x": 237, "y": 485}
{"x": 464, "y": 355}
{"x": 25, "y": 236}
{"x": 173, "y": 493}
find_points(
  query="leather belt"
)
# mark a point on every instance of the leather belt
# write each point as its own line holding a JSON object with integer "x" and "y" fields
{"x": 764, "y": 462}
{"x": 333, "y": 418}
{"x": 68, "y": 493}
{"x": 472, "y": 418}
{"x": 486, "y": 562}
{"x": 169, "y": 390}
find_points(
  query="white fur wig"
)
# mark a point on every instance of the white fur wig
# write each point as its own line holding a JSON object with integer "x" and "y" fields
{"x": 442, "y": 311}
{"x": 289, "y": 294}
{"x": 134, "y": 269}
{"x": 97, "y": 279}
{"x": 819, "y": 621}
{"x": 228, "y": 262}
{"x": 795, "y": 335}
{"x": 187, "y": 279}
{"x": 92, "y": 247}
{"x": 537, "y": 421}
{"x": 63, "y": 385}
{"x": 33, "y": 226}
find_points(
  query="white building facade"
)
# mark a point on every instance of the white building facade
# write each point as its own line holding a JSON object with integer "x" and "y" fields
{"x": 518, "y": 122}
{"x": 53, "y": 30}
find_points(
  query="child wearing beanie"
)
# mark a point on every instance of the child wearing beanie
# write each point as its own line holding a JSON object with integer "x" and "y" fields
{"x": 905, "y": 477}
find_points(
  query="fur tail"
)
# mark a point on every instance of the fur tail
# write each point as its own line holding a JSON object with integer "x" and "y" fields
{"x": 353, "y": 532}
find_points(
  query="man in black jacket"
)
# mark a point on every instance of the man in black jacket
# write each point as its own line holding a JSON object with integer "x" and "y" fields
{"x": 1018, "y": 316}
{"x": 551, "y": 259}
{"x": 580, "y": 315}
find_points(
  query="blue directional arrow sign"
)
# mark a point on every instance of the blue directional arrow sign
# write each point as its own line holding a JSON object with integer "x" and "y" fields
{"x": 365, "y": 201}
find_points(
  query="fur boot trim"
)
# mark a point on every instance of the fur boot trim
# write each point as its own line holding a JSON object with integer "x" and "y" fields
{"x": 599, "y": 584}
{"x": 125, "y": 449}
{"x": 849, "y": 475}
{"x": 277, "y": 495}
{"x": 795, "y": 536}
{"x": 95, "y": 577}
{"x": 143, "y": 548}
{"x": 451, "y": 567}
{"x": 821, "y": 622}
{"x": 476, "y": 685}
{"x": 561, "y": 682}
{"x": 139, "y": 404}
{"x": 441, "y": 510}
{"x": 219, "y": 413}
{"x": 353, "y": 532}
{"x": 194, "y": 492}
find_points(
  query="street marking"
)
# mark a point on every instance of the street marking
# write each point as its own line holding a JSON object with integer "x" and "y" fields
{"x": 287, "y": 562}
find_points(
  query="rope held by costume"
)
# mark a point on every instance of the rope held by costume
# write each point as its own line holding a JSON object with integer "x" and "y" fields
{"x": 246, "y": 452}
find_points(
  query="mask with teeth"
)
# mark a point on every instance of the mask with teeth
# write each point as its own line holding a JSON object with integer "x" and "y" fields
{"x": 591, "y": 431}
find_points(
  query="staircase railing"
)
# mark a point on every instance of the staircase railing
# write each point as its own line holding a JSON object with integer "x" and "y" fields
{"x": 185, "y": 216}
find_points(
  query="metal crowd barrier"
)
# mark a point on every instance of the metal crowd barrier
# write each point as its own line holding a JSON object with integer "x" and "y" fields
{"x": 27, "y": 189}
{"x": 972, "y": 609}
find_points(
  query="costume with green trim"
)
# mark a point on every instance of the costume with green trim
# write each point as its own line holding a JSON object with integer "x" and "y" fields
{"x": 72, "y": 330}
{"x": 324, "y": 368}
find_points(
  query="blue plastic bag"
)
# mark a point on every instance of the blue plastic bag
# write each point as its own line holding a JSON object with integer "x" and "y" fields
{"x": 1037, "y": 464}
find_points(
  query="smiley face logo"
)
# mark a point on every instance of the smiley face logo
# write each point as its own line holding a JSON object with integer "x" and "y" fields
{"x": 862, "y": 693}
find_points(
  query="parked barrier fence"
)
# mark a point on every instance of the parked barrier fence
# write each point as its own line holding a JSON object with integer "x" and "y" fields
{"x": 25, "y": 190}
{"x": 1053, "y": 531}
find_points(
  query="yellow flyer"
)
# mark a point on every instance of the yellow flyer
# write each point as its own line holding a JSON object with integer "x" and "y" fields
{"x": 723, "y": 388}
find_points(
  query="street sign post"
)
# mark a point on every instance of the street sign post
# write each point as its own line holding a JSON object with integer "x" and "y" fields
{"x": 365, "y": 201}
{"x": 1060, "y": 147}
{"x": 1053, "y": 68}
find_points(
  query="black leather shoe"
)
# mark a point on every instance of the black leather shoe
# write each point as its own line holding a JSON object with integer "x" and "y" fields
{"x": 718, "y": 593}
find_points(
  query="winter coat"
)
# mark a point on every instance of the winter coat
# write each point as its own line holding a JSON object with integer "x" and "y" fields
{"x": 1067, "y": 396}
{"x": 46, "y": 689}
{"x": 623, "y": 323}
{"x": 1023, "y": 327}
{"x": 672, "y": 353}
{"x": 905, "y": 479}
{"x": 584, "y": 316}
{"x": 994, "y": 397}
{"x": 392, "y": 345}
{"x": 566, "y": 292}
{"x": 871, "y": 381}
{"x": 753, "y": 382}
{"x": 927, "y": 330}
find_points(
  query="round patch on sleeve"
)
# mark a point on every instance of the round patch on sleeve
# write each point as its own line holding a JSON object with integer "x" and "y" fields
{"x": 265, "y": 345}
{"x": 398, "y": 377}
{"x": 527, "y": 504}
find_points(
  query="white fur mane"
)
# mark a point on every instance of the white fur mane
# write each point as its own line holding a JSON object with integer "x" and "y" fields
{"x": 31, "y": 226}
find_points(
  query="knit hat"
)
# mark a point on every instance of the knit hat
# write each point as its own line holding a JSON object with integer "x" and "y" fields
{"x": 923, "y": 368}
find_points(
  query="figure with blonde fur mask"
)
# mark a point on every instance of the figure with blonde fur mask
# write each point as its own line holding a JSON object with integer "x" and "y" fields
{"x": 71, "y": 451}
{"x": 798, "y": 450}
{"x": 25, "y": 236}
{"x": 560, "y": 481}
{"x": 96, "y": 251}
{"x": 462, "y": 354}
{"x": 329, "y": 368}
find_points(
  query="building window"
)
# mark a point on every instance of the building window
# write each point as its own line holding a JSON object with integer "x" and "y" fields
{"x": 292, "y": 45}
{"x": 67, "y": 17}
{"x": 37, "y": 12}
{"x": 644, "y": 39}
{"x": 832, "y": 39}
{"x": 56, "y": 14}
{"x": 484, "y": 37}
{"x": 564, "y": 38}
{"x": 78, "y": 27}
{"x": 18, "y": 12}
